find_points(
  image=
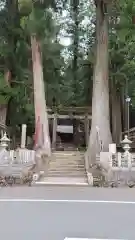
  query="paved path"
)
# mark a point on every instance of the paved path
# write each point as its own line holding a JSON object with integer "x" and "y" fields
{"x": 66, "y": 212}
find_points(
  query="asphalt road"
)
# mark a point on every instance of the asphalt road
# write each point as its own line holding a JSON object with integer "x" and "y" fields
{"x": 53, "y": 213}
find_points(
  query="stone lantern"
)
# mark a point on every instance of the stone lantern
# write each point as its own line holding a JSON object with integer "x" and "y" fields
{"x": 4, "y": 141}
{"x": 126, "y": 144}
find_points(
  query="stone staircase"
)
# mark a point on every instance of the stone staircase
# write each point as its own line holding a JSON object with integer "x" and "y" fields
{"x": 66, "y": 167}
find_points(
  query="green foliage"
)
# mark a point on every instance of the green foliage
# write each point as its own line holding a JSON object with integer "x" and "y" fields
{"x": 25, "y": 7}
{"x": 19, "y": 95}
{"x": 40, "y": 22}
{"x": 122, "y": 51}
{"x": 45, "y": 18}
{"x": 6, "y": 92}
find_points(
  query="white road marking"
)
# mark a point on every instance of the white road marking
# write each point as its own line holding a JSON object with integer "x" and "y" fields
{"x": 91, "y": 239}
{"x": 64, "y": 201}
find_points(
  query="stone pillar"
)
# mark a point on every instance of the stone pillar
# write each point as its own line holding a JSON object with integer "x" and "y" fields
{"x": 112, "y": 148}
{"x": 23, "y": 136}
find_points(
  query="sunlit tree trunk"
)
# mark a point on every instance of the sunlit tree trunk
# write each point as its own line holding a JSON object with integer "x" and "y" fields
{"x": 100, "y": 99}
{"x": 41, "y": 119}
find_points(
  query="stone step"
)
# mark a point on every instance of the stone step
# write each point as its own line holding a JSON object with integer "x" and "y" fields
{"x": 75, "y": 158}
{"x": 66, "y": 159}
{"x": 64, "y": 181}
{"x": 67, "y": 167}
{"x": 66, "y": 175}
{"x": 66, "y": 162}
{"x": 67, "y": 171}
{"x": 69, "y": 178}
{"x": 71, "y": 167}
{"x": 58, "y": 163}
{"x": 75, "y": 168}
{"x": 68, "y": 152}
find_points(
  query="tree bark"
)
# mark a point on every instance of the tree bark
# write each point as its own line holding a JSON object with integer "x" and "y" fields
{"x": 75, "y": 45}
{"x": 116, "y": 114}
{"x": 41, "y": 118}
{"x": 123, "y": 109}
{"x": 100, "y": 99}
{"x": 3, "y": 108}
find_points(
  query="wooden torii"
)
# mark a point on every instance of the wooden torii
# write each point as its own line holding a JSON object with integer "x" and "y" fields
{"x": 79, "y": 113}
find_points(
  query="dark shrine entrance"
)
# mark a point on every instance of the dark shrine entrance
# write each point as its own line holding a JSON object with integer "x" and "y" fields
{"x": 65, "y": 133}
{"x": 70, "y": 127}
{"x": 66, "y": 137}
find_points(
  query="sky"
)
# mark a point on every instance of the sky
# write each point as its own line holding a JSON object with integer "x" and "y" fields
{"x": 1, "y": 4}
{"x": 65, "y": 39}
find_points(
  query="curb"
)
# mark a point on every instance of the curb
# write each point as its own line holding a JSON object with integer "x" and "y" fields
{"x": 60, "y": 184}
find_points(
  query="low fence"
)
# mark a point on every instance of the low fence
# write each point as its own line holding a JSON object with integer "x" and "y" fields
{"x": 122, "y": 160}
{"x": 121, "y": 170}
{"x": 22, "y": 156}
{"x": 16, "y": 163}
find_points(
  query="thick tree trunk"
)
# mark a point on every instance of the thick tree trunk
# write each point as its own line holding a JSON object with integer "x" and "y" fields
{"x": 3, "y": 108}
{"x": 41, "y": 118}
{"x": 75, "y": 45}
{"x": 100, "y": 127}
{"x": 116, "y": 115}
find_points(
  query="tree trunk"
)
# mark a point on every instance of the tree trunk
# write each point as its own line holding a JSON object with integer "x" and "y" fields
{"x": 123, "y": 109}
{"x": 11, "y": 18}
{"x": 100, "y": 127}
{"x": 75, "y": 45}
{"x": 116, "y": 114}
{"x": 3, "y": 108}
{"x": 3, "y": 114}
{"x": 41, "y": 118}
